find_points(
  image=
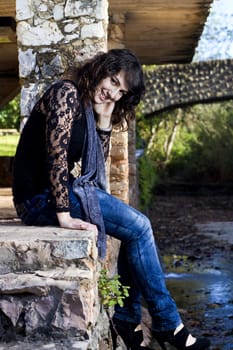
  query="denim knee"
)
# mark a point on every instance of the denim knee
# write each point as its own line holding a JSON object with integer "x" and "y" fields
{"x": 143, "y": 227}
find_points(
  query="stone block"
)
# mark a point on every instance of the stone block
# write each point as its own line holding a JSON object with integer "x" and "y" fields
{"x": 119, "y": 153}
{"x": 47, "y": 33}
{"x": 48, "y": 282}
{"x": 28, "y": 248}
{"x": 94, "y": 30}
{"x": 31, "y": 304}
{"x": 76, "y": 9}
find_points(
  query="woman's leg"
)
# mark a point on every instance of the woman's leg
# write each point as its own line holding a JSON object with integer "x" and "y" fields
{"x": 142, "y": 262}
{"x": 131, "y": 312}
{"x": 138, "y": 261}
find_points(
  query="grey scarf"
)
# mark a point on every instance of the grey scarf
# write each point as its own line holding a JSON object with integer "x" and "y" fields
{"x": 92, "y": 177}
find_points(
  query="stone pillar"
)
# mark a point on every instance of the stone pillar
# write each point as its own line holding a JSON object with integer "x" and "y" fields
{"x": 123, "y": 163}
{"x": 133, "y": 175}
{"x": 119, "y": 171}
{"x": 52, "y": 36}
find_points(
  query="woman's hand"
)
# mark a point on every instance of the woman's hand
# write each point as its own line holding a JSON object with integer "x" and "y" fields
{"x": 104, "y": 114}
{"x": 66, "y": 221}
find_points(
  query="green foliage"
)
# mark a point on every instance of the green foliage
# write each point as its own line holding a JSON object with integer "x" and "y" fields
{"x": 8, "y": 145}
{"x": 143, "y": 129}
{"x": 188, "y": 144}
{"x": 111, "y": 290}
{"x": 204, "y": 152}
{"x": 10, "y": 115}
{"x": 147, "y": 180}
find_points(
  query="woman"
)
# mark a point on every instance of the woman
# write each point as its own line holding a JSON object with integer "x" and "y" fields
{"x": 73, "y": 121}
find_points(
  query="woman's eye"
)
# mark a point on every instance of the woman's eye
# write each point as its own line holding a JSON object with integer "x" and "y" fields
{"x": 114, "y": 81}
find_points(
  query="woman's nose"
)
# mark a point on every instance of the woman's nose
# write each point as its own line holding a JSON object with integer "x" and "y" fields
{"x": 114, "y": 94}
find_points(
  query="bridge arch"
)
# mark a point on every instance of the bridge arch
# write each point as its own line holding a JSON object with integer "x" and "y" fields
{"x": 179, "y": 85}
{"x": 176, "y": 85}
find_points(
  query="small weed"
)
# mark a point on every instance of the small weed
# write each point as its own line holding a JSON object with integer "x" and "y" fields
{"x": 111, "y": 290}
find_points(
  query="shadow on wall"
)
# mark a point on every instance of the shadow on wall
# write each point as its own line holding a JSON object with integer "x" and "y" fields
{"x": 6, "y": 171}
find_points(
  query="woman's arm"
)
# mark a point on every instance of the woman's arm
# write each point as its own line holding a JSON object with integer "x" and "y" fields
{"x": 104, "y": 115}
{"x": 61, "y": 106}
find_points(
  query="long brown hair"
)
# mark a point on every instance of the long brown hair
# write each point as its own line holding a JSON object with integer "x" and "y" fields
{"x": 108, "y": 64}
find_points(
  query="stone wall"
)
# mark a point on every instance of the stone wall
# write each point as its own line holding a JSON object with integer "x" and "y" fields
{"x": 123, "y": 178}
{"x": 49, "y": 291}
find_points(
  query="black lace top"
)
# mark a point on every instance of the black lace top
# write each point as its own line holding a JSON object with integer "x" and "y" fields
{"x": 50, "y": 144}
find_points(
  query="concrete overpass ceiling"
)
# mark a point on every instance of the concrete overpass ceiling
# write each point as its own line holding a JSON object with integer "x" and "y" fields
{"x": 158, "y": 31}
{"x": 162, "y": 31}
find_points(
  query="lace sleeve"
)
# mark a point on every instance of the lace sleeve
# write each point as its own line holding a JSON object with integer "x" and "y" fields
{"x": 61, "y": 104}
{"x": 105, "y": 136}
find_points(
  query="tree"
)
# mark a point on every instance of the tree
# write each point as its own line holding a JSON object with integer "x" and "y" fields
{"x": 10, "y": 115}
{"x": 192, "y": 143}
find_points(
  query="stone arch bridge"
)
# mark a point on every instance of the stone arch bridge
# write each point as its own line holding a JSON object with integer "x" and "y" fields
{"x": 175, "y": 85}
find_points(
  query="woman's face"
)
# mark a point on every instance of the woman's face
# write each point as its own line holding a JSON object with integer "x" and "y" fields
{"x": 110, "y": 89}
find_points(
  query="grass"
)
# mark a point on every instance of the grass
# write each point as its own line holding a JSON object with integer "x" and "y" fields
{"x": 8, "y": 145}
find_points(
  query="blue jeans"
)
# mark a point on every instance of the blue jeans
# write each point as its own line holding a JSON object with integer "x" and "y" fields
{"x": 138, "y": 262}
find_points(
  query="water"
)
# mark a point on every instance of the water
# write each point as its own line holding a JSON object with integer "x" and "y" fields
{"x": 204, "y": 296}
{"x": 199, "y": 229}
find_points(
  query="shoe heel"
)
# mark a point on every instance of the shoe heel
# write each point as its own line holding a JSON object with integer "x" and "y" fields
{"x": 113, "y": 335}
{"x": 179, "y": 340}
{"x": 161, "y": 344}
{"x": 128, "y": 333}
{"x": 160, "y": 341}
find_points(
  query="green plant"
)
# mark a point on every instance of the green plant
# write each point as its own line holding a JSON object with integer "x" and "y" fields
{"x": 111, "y": 290}
{"x": 10, "y": 114}
{"x": 148, "y": 178}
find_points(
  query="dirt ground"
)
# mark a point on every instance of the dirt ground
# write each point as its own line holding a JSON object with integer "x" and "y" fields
{"x": 174, "y": 219}
{"x": 203, "y": 282}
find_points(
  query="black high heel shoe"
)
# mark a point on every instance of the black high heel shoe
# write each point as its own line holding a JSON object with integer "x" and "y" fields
{"x": 128, "y": 333}
{"x": 179, "y": 340}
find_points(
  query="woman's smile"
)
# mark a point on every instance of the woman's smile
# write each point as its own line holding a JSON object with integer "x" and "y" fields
{"x": 111, "y": 89}
{"x": 102, "y": 96}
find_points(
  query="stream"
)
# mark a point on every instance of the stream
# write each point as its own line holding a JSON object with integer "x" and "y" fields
{"x": 194, "y": 234}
